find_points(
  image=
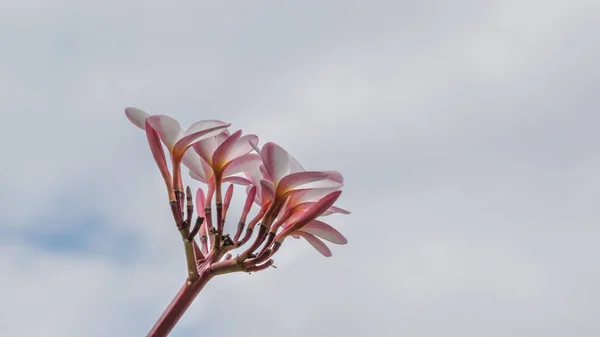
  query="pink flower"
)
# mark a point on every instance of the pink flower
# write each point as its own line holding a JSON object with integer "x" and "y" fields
{"x": 316, "y": 229}
{"x": 226, "y": 155}
{"x": 299, "y": 203}
{"x": 177, "y": 140}
{"x": 219, "y": 158}
{"x": 289, "y": 177}
{"x": 139, "y": 118}
{"x": 286, "y": 182}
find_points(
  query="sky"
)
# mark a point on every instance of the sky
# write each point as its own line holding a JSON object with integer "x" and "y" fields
{"x": 466, "y": 132}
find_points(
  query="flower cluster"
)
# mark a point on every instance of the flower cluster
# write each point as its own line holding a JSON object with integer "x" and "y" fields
{"x": 290, "y": 199}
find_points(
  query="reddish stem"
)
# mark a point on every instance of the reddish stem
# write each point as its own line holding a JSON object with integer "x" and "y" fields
{"x": 179, "y": 305}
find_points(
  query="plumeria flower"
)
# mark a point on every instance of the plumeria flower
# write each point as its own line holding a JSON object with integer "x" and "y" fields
{"x": 288, "y": 176}
{"x": 218, "y": 159}
{"x": 299, "y": 203}
{"x": 231, "y": 156}
{"x": 282, "y": 177}
{"x": 177, "y": 140}
{"x": 199, "y": 169}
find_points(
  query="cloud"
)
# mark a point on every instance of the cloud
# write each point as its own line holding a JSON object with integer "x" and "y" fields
{"x": 465, "y": 131}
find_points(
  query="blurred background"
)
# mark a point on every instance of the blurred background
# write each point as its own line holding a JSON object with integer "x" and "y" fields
{"x": 466, "y": 132}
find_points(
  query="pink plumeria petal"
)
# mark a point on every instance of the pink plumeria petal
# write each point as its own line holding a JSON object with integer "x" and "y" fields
{"x": 292, "y": 219}
{"x": 202, "y": 126}
{"x": 267, "y": 190}
{"x": 313, "y": 212}
{"x": 254, "y": 175}
{"x": 223, "y": 152}
{"x": 208, "y": 171}
{"x": 221, "y": 137}
{"x": 234, "y": 148}
{"x": 295, "y": 165}
{"x": 168, "y": 129}
{"x": 315, "y": 242}
{"x": 324, "y": 231}
{"x": 245, "y": 145}
{"x": 158, "y": 153}
{"x": 241, "y": 164}
{"x": 276, "y": 161}
{"x": 237, "y": 180}
{"x": 310, "y": 195}
{"x": 137, "y": 117}
{"x": 193, "y": 162}
{"x": 331, "y": 210}
{"x": 335, "y": 210}
{"x": 200, "y": 178}
{"x": 308, "y": 180}
{"x": 205, "y": 148}
{"x": 198, "y": 131}
{"x": 335, "y": 175}
{"x": 263, "y": 173}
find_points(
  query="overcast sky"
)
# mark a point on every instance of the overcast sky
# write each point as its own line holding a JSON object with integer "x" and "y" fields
{"x": 467, "y": 133}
